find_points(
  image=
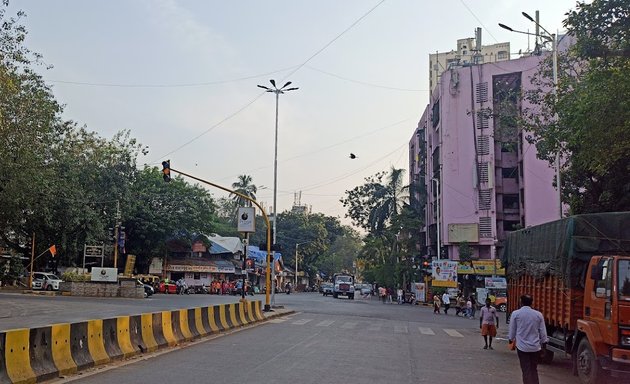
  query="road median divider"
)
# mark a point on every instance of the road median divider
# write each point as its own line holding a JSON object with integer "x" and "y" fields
{"x": 42, "y": 353}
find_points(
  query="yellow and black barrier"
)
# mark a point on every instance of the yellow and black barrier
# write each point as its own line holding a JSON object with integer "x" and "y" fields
{"x": 37, "y": 354}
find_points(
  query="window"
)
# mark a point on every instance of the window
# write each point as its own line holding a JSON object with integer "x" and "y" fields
{"x": 435, "y": 115}
{"x": 624, "y": 278}
{"x": 509, "y": 173}
{"x": 483, "y": 145}
{"x": 510, "y": 201}
{"x": 502, "y": 55}
{"x": 485, "y": 199}
{"x": 603, "y": 284}
{"x": 485, "y": 227}
{"x": 481, "y": 92}
{"x": 482, "y": 171}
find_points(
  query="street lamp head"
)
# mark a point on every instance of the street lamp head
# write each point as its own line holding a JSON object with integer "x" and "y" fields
{"x": 273, "y": 82}
{"x": 286, "y": 85}
{"x": 506, "y": 27}
{"x": 291, "y": 89}
{"x": 528, "y": 17}
{"x": 265, "y": 88}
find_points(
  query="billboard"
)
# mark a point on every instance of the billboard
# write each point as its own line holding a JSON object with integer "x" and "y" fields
{"x": 444, "y": 273}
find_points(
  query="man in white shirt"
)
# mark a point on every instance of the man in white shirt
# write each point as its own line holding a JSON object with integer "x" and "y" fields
{"x": 527, "y": 326}
{"x": 446, "y": 300}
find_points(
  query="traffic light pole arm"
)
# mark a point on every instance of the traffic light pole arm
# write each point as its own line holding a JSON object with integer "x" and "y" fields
{"x": 268, "y": 272}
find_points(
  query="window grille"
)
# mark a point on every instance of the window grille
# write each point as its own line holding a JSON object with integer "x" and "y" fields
{"x": 483, "y": 145}
{"x": 485, "y": 198}
{"x": 482, "y": 171}
{"x": 481, "y": 92}
{"x": 485, "y": 227}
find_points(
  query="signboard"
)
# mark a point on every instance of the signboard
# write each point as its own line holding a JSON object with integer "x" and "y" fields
{"x": 156, "y": 267}
{"x": 131, "y": 262}
{"x": 419, "y": 289}
{"x": 246, "y": 219}
{"x": 200, "y": 268}
{"x": 444, "y": 273}
{"x": 488, "y": 267}
{"x": 481, "y": 267}
{"x": 93, "y": 251}
{"x": 109, "y": 275}
{"x": 458, "y": 233}
{"x": 496, "y": 282}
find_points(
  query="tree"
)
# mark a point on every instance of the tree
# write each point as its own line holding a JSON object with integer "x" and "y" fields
{"x": 588, "y": 120}
{"x": 245, "y": 187}
{"x": 372, "y": 205}
{"x": 159, "y": 212}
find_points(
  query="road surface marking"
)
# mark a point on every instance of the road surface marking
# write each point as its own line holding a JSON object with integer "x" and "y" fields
{"x": 426, "y": 331}
{"x": 349, "y": 325}
{"x": 302, "y": 322}
{"x": 325, "y": 323}
{"x": 453, "y": 333}
{"x": 401, "y": 329}
{"x": 277, "y": 320}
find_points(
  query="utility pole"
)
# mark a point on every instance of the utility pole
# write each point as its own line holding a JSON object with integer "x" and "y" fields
{"x": 116, "y": 233}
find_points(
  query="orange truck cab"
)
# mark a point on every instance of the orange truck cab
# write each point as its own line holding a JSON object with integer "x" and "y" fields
{"x": 577, "y": 270}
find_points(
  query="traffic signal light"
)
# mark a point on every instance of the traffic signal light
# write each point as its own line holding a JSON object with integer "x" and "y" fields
{"x": 166, "y": 170}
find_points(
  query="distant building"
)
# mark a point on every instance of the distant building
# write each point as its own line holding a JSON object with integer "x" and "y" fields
{"x": 469, "y": 51}
{"x": 489, "y": 179}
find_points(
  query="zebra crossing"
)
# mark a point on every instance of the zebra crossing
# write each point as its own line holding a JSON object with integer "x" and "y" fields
{"x": 376, "y": 327}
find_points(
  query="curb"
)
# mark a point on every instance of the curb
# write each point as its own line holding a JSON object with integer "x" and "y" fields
{"x": 42, "y": 353}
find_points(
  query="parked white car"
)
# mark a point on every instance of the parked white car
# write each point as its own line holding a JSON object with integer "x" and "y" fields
{"x": 46, "y": 281}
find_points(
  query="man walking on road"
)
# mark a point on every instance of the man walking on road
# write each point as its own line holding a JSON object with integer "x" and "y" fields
{"x": 527, "y": 326}
{"x": 487, "y": 319}
{"x": 446, "y": 300}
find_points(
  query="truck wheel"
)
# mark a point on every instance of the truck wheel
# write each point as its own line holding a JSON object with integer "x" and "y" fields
{"x": 502, "y": 308}
{"x": 335, "y": 295}
{"x": 588, "y": 368}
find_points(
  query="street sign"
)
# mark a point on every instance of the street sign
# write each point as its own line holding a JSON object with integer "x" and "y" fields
{"x": 93, "y": 251}
{"x": 246, "y": 219}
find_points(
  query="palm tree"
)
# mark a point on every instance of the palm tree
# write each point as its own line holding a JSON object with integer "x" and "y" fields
{"x": 389, "y": 199}
{"x": 245, "y": 187}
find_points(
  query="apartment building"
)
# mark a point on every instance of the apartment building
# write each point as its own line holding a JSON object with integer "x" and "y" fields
{"x": 471, "y": 168}
{"x": 469, "y": 51}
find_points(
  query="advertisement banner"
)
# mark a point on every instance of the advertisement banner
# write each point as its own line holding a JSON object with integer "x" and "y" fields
{"x": 465, "y": 269}
{"x": 496, "y": 282}
{"x": 419, "y": 290}
{"x": 488, "y": 267}
{"x": 444, "y": 273}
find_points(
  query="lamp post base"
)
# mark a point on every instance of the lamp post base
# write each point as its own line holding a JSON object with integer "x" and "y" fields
{"x": 267, "y": 308}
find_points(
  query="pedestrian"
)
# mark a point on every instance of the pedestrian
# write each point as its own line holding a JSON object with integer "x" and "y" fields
{"x": 469, "y": 308}
{"x": 382, "y": 293}
{"x": 389, "y": 291}
{"x": 460, "y": 305}
{"x": 437, "y": 303}
{"x": 487, "y": 319}
{"x": 399, "y": 296}
{"x": 446, "y": 299}
{"x": 473, "y": 306}
{"x": 527, "y": 327}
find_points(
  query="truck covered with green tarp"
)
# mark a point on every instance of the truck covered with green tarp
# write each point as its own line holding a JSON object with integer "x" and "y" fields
{"x": 563, "y": 248}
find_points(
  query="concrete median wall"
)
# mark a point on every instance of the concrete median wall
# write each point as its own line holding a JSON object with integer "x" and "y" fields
{"x": 37, "y": 354}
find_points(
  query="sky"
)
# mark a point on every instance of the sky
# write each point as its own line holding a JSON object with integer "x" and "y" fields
{"x": 182, "y": 76}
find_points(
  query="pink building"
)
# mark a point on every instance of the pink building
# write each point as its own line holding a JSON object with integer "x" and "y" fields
{"x": 471, "y": 162}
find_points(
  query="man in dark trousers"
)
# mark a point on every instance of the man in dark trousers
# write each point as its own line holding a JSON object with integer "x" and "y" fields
{"x": 527, "y": 326}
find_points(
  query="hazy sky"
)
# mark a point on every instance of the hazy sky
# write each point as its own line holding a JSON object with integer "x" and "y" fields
{"x": 182, "y": 76}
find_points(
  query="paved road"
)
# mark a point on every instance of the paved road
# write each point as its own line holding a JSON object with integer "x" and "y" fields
{"x": 19, "y": 310}
{"x": 338, "y": 340}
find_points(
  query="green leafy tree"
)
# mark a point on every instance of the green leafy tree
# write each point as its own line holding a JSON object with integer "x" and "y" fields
{"x": 588, "y": 120}
{"x": 162, "y": 211}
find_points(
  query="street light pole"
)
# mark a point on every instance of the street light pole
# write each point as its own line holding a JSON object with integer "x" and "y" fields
{"x": 278, "y": 92}
{"x": 553, "y": 39}
{"x": 437, "y": 204}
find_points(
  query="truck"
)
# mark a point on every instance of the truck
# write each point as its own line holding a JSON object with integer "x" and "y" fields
{"x": 577, "y": 270}
{"x": 343, "y": 285}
